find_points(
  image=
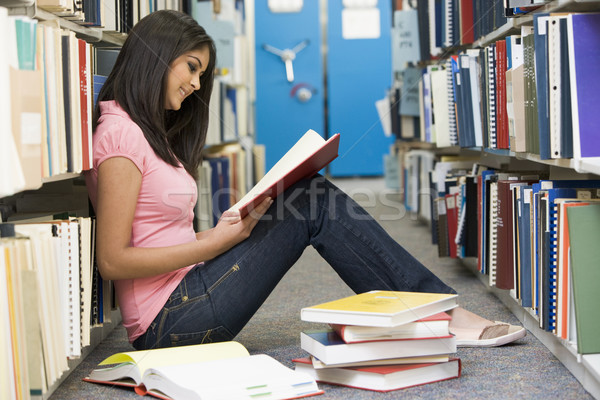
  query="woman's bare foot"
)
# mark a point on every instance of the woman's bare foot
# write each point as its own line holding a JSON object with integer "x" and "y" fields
{"x": 472, "y": 330}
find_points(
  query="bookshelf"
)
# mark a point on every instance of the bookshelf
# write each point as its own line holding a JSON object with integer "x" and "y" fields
{"x": 49, "y": 195}
{"x": 55, "y": 194}
{"x": 585, "y": 367}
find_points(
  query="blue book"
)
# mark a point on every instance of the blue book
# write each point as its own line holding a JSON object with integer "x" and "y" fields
{"x": 220, "y": 186}
{"x": 329, "y": 348}
{"x": 97, "y": 83}
{"x": 524, "y": 227}
{"x": 466, "y": 105}
{"x": 548, "y": 260}
{"x": 584, "y": 40}
{"x": 540, "y": 26}
{"x": 566, "y": 131}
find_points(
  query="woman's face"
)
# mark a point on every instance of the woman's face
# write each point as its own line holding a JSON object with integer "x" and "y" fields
{"x": 183, "y": 76}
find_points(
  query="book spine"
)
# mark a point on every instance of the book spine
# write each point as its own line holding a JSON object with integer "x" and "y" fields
{"x": 452, "y": 110}
{"x": 493, "y": 234}
{"x": 553, "y": 270}
{"x": 493, "y": 138}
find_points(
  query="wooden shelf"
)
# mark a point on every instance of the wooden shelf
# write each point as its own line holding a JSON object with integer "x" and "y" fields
{"x": 586, "y": 369}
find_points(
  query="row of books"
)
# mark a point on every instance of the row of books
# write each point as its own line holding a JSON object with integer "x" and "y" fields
{"x": 449, "y": 23}
{"x": 381, "y": 341}
{"x": 519, "y": 227}
{"x": 527, "y": 93}
{"x": 52, "y": 296}
{"x": 112, "y": 15}
{"x": 52, "y": 84}
{"x": 47, "y": 100}
{"x": 226, "y": 174}
{"x": 229, "y": 116}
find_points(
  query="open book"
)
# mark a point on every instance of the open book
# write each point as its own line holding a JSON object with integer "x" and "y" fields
{"x": 207, "y": 371}
{"x": 307, "y": 157}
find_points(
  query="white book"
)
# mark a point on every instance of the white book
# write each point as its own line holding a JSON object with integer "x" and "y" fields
{"x": 554, "y": 85}
{"x": 329, "y": 348}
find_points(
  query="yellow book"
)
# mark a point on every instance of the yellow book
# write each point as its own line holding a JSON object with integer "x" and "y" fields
{"x": 380, "y": 308}
{"x": 204, "y": 371}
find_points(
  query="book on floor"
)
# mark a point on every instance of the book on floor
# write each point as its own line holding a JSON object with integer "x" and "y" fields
{"x": 436, "y": 358}
{"x": 380, "y": 308}
{"x": 383, "y": 378}
{"x": 206, "y": 371}
{"x": 307, "y": 157}
{"x": 329, "y": 348}
{"x": 436, "y": 325}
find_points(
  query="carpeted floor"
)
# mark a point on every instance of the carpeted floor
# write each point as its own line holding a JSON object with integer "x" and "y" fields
{"x": 523, "y": 370}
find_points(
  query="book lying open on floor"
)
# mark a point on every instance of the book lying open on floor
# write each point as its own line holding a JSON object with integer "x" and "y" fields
{"x": 329, "y": 348}
{"x": 307, "y": 157}
{"x": 207, "y": 371}
{"x": 383, "y": 378}
{"x": 429, "y": 327}
{"x": 380, "y": 308}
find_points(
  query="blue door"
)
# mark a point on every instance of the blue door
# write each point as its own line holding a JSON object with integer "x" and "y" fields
{"x": 289, "y": 76}
{"x": 358, "y": 74}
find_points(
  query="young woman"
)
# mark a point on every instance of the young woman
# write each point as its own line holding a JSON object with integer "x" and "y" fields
{"x": 179, "y": 287}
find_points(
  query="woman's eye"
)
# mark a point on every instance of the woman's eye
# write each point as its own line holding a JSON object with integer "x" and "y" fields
{"x": 192, "y": 67}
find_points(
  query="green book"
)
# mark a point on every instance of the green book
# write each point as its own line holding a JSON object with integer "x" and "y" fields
{"x": 584, "y": 236}
{"x": 26, "y": 42}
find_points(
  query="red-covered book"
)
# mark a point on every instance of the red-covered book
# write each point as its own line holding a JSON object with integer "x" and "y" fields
{"x": 452, "y": 213}
{"x": 383, "y": 378}
{"x": 467, "y": 33}
{"x": 307, "y": 157}
{"x": 429, "y": 327}
{"x": 501, "y": 112}
{"x": 505, "y": 260}
{"x": 85, "y": 104}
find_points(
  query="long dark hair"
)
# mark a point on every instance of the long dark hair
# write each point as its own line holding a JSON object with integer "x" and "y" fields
{"x": 137, "y": 83}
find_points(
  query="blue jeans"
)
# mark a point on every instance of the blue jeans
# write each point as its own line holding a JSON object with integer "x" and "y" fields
{"x": 216, "y": 299}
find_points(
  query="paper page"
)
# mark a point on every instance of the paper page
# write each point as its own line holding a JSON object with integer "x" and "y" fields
{"x": 178, "y": 355}
{"x": 245, "y": 377}
{"x": 307, "y": 145}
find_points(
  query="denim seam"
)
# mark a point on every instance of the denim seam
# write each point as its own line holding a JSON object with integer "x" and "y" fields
{"x": 372, "y": 245}
{"x": 230, "y": 271}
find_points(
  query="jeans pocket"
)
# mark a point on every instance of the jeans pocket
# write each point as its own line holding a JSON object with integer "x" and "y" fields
{"x": 218, "y": 334}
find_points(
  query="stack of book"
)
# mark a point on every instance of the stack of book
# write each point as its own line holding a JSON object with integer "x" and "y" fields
{"x": 381, "y": 340}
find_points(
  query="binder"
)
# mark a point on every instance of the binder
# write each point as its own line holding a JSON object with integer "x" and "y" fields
{"x": 583, "y": 33}
{"x": 540, "y": 23}
{"x": 584, "y": 231}
{"x": 493, "y": 232}
{"x": 525, "y": 245}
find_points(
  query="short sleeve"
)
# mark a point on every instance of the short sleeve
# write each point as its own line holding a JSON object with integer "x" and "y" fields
{"x": 121, "y": 139}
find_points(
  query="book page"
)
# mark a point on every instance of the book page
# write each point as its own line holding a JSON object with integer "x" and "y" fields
{"x": 145, "y": 359}
{"x": 245, "y": 377}
{"x": 310, "y": 142}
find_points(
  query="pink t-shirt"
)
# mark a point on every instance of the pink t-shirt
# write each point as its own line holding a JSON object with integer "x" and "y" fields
{"x": 163, "y": 216}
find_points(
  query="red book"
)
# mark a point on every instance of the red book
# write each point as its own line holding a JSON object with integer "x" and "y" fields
{"x": 429, "y": 327}
{"x": 479, "y": 222}
{"x": 452, "y": 216}
{"x": 501, "y": 113}
{"x": 467, "y": 33}
{"x": 86, "y": 133}
{"x": 505, "y": 261}
{"x": 307, "y": 157}
{"x": 383, "y": 378}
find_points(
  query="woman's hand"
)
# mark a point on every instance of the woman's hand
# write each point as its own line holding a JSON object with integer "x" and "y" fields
{"x": 232, "y": 229}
